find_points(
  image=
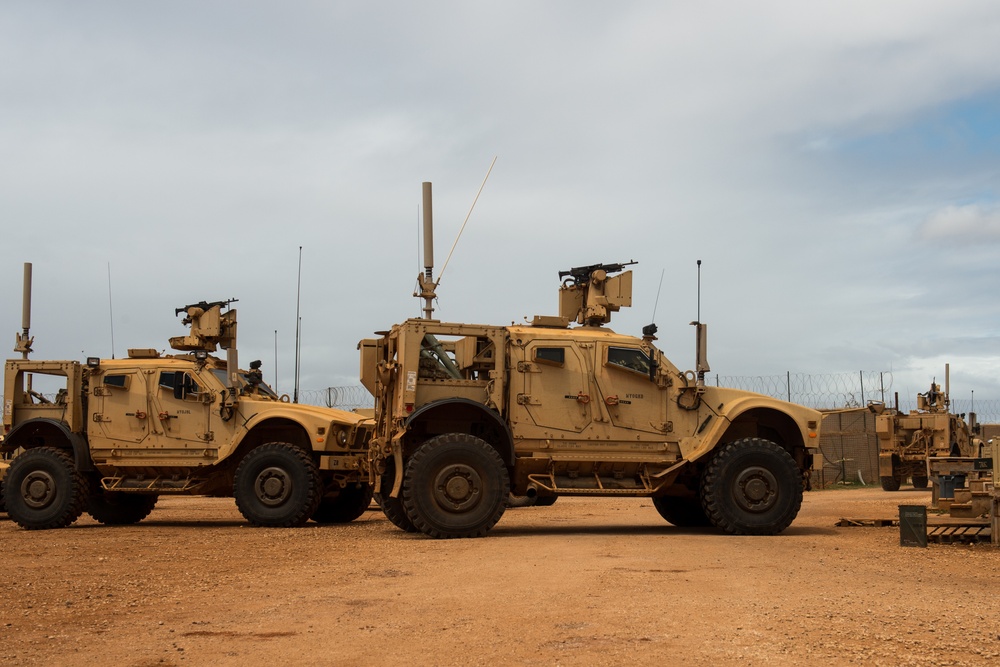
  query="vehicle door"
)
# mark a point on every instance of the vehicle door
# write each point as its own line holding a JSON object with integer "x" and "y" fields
{"x": 120, "y": 409}
{"x": 183, "y": 400}
{"x": 632, "y": 400}
{"x": 553, "y": 378}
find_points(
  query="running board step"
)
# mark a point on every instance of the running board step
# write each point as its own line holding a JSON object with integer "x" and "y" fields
{"x": 158, "y": 484}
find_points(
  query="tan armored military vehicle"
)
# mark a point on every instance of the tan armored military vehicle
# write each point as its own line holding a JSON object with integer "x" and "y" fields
{"x": 467, "y": 413}
{"x": 121, "y": 432}
{"x": 907, "y": 440}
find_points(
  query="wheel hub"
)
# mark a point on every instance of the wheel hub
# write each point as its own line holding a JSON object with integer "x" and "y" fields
{"x": 38, "y": 489}
{"x": 273, "y": 486}
{"x": 756, "y": 489}
{"x": 458, "y": 487}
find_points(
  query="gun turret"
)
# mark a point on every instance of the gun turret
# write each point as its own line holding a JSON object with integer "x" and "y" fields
{"x": 210, "y": 327}
{"x": 588, "y": 295}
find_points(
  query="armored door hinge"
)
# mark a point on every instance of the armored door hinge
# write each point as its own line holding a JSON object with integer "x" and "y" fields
{"x": 526, "y": 399}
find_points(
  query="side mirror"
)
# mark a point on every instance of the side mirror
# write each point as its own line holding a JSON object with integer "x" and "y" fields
{"x": 179, "y": 385}
{"x": 183, "y": 385}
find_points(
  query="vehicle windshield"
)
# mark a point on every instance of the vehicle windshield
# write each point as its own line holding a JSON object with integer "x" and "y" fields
{"x": 262, "y": 388}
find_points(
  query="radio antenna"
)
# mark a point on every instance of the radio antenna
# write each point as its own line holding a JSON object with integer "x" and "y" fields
{"x": 468, "y": 215}
{"x": 649, "y": 331}
{"x": 111, "y": 313}
{"x": 657, "y": 302}
{"x": 701, "y": 340}
{"x": 698, "y": 319}
{"x": 298, "y": 330}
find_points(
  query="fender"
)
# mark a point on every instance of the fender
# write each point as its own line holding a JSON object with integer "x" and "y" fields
{"x": 490, "y": 416}
{"x": 24, "y": 430}
{"x": 726, "y": 406}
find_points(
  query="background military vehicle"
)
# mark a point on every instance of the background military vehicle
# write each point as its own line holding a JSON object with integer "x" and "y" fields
{"x": 121, "y": 432}
{"x": 467, "y": 413}
{"x": 907, "y": 440}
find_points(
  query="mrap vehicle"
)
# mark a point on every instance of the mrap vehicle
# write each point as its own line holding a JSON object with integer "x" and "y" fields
{"x": 467, "y": 414}
{"x": 119, "y": 433}
{"x": 907, "y": 441}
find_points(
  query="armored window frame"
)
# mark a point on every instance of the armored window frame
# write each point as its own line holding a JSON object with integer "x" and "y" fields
{"x": 116, "y": 380}
{"x": 629, "y": 359}
{"x": 167, "y": 380}
{"x": 550, "y": 356}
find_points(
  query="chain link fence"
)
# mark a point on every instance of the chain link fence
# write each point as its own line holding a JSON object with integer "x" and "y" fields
{"x": 848, "y": 441}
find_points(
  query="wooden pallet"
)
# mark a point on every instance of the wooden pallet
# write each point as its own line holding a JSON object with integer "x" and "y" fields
{"x": 947, "y": 530}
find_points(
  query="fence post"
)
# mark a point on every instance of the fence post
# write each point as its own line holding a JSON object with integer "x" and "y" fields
{"x": 862, "y": 374}
{"x": 788, "y": 384}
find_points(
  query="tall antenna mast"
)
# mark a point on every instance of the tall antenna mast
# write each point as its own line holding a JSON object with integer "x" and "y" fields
{"x": 700, "y": 341}
{"x": 111, "y": 313}
{"x": 24, "y": 339}
{"x": 426, "y": 280}
{"x": 699, "y": 292}
{"x": 298, "y": 330}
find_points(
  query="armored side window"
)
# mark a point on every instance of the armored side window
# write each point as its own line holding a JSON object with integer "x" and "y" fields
{"x": 629, "y": 358}
{"x": 167, "y": 379}
{"x": 554, "y": 356}
{"x": 116, "y": 381}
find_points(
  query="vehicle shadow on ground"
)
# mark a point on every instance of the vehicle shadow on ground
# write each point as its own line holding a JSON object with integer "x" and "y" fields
{"x": 619, "y": 530}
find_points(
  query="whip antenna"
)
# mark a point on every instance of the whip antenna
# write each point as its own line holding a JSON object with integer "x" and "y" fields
{"x": 447, "y": 259}
{"x": 657, "y": 302}
{"x": 649, "y": 331}
{"x": 111, "y": 313}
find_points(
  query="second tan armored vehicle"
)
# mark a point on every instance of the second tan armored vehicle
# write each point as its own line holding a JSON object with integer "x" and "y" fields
{"x": 119, "y": 433}
{"x": 906, "y": 441}
{"x": 468, "y": 413}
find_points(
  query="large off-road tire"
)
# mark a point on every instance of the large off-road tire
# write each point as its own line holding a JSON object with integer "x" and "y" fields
{"x": 890, "y": 483}
{"x": 43, "y": 489}
{"x": 393, "y": 507}
{"x": 920, "y": 481}
{"x": 115, "y": 508}
{"x": 345, "y": 506}
{"x": 455, "y": 485}
{"x": 751, "y": 487}
{"x": 682, "y": 512}
{"x": 277, "y": 485}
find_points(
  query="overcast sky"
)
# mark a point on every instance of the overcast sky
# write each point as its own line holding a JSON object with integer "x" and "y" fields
{"x": 836, "y": 167}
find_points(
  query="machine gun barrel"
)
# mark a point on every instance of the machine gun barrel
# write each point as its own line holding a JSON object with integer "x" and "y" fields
{"x": 581, "y": 274}
{"x": 204, "y": 305}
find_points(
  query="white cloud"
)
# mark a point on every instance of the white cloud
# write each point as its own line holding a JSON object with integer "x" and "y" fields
{"x": 963, "y": 225}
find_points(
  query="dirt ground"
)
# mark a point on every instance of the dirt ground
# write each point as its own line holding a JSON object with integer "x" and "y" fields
{"x": 584, "y": 582}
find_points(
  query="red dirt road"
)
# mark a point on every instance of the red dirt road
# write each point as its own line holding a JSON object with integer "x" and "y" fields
{"x": 584, "y": 582}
